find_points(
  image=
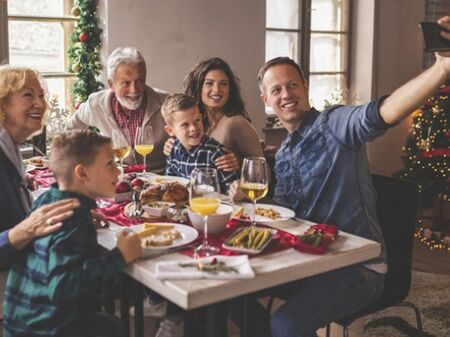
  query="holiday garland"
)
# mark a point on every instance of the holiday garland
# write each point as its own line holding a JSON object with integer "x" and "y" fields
{"x": 84, "y": 53}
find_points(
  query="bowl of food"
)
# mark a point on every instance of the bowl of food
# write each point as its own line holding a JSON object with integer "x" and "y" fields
{"x": 216, "y": 221}
{"x": 157, "y": 208}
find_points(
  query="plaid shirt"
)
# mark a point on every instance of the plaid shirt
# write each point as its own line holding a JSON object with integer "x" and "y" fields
{"x": 131, "y": 122}
{"x": 50, "y": 289}
{"x": 181, "y": 162}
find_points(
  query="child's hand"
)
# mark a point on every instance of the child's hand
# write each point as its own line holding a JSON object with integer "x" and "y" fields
{"x": 235, "y": 192}
{"x": 168, "y": 145}
{"x": 129, "y": 245}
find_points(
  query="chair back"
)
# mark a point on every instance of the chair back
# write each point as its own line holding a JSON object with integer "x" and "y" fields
{"x": 396, "y": 211}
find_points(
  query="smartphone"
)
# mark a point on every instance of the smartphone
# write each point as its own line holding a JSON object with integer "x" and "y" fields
{"x": 432, "y": 37}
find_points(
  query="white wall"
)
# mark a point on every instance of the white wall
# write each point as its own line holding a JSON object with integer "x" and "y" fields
{"x": 175, "y": 34}
{"x": 398, "y": 58}
{"x": 387, "y": 52}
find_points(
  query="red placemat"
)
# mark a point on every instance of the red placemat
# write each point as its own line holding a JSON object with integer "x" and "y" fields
{"x": 44, "y": 178}
{"x": 134, "y": 168}
{"x": 115, "y": 213}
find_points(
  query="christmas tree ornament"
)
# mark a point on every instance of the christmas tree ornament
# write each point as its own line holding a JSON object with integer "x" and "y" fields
{"x": 75, "y": 11}
{"x": 83, "y": 37}
{"x": 76, "y": 68}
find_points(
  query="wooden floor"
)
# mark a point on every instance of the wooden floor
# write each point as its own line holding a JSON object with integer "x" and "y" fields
{"x": 424, "y": 260}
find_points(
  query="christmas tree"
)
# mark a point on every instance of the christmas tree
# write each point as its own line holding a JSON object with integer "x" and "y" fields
{"x": 84, "y": 53}
{"x": 426, "y": 159}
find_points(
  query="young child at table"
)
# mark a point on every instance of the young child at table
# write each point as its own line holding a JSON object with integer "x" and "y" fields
{"x": 51, "y": 288}
{"x": 192, "y": 148}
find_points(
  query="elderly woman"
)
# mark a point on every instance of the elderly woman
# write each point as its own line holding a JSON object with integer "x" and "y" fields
{"x": 22, "y": 108}
{"x": 216, "y": 90}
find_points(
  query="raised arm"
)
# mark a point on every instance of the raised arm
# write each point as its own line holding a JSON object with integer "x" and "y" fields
{"x": 411, "y": 95}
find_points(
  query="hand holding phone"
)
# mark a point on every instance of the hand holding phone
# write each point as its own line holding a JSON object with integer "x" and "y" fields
{"x": 432, "y": 36}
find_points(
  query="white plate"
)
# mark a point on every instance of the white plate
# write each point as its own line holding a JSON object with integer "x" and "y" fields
{"x": 167, "y": 179}
{"x": 285, "y": 213}
{"x": 30, "y": 168}
{"x": 188, "y": 235}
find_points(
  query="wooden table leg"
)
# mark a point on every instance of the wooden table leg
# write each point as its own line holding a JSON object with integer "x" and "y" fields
{"x": 216, "y": 320}
{"x": 125, "y": 284}
{"x": 138, "y": 298}
{"x": 244, "y": 311}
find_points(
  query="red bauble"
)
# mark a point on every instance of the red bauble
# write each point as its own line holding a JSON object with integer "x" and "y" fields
{"x": 76, "y": 105}
{"x": 83, "y": 37}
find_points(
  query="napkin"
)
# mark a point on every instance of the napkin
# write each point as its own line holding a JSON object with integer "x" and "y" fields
{"x": 238, "y": 267}
{"x": 134, "y": 168}
{"x": 317, "y": 239}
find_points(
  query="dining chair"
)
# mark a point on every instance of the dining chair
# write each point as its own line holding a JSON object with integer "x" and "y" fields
{"x": 396, "y": 211}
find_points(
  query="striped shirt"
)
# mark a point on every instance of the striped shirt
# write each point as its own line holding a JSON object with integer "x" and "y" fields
{"x": 182, "y": 162}
{"x": 128, "y": 122}
{"x": 51, "y": 287}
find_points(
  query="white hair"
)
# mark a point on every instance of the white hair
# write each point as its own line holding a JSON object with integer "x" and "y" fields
{"x": 124, "y": 55}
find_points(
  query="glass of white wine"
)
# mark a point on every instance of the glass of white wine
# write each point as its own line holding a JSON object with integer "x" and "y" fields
{"x": 204, "y": 192}
{"x": 121, "y": 144}
{"x": 254, "y": 180}
{"x": 144, "y": 143}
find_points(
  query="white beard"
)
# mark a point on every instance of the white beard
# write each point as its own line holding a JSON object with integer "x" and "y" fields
{"x": 130, "y": 105}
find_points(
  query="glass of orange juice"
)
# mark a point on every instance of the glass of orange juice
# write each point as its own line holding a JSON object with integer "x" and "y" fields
{"x": 143, "y": 143}
{"x": 254, "y": 180}
{"x": 204, "y": 200}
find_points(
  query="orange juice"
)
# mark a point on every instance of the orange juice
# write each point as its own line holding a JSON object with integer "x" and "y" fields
{"x": 144, "y": 149}
{"x": 204, "y": 206}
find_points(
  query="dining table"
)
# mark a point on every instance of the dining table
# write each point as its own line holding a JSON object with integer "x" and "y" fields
{"x": 210, "y": 297}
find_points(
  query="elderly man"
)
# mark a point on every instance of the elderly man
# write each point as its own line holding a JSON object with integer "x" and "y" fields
{"x": 323, "y": 174}
{"x": 128, "y": 104}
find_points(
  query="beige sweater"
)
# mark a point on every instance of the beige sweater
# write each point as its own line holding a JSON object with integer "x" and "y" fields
{"x": 238, "y": 135}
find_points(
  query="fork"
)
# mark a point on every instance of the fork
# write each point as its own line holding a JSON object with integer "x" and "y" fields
{"x": 136, "y": 207}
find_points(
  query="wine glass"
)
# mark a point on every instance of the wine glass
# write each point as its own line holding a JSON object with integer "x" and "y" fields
{"x": 121, "y": 144}
{"x": 254, "y": 180}
{"x": 204, "y": 200}
{"x": 144, "y": 144}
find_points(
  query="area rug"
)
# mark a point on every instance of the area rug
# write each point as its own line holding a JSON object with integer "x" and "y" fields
{"x": 431, "y": 294}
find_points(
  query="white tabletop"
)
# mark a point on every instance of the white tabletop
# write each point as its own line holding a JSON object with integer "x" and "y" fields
{"x": 270, "y": 269}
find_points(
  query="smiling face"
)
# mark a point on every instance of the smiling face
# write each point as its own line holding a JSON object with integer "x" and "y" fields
{"x": 24, "y": 110}
{"x": 287, "y": 94}
{"x": 100, "y": 177}
{"x": 215, "y": 90}
{"x": 129, "y": 85}
{"x": 186, "y": 126}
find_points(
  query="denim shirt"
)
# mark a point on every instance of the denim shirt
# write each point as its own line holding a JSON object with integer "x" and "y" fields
{"x": 323, "y": 173}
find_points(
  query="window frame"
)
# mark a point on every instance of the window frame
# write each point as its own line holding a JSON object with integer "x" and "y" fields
{"x": 40, "y": 140}
{"x": 65, "y": 21}
{"x": 304, "y": 40}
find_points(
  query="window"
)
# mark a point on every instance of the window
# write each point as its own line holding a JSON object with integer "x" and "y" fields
{"x": 38, "y": 37}
{"x": 315, "y": 33}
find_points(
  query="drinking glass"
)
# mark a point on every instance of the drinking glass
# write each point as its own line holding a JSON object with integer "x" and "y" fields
{"x": 121, "y": 144}
{"x": 254, "y": 180}
{"x": 204, "y": 200}
{"x": 144, "y": 144}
